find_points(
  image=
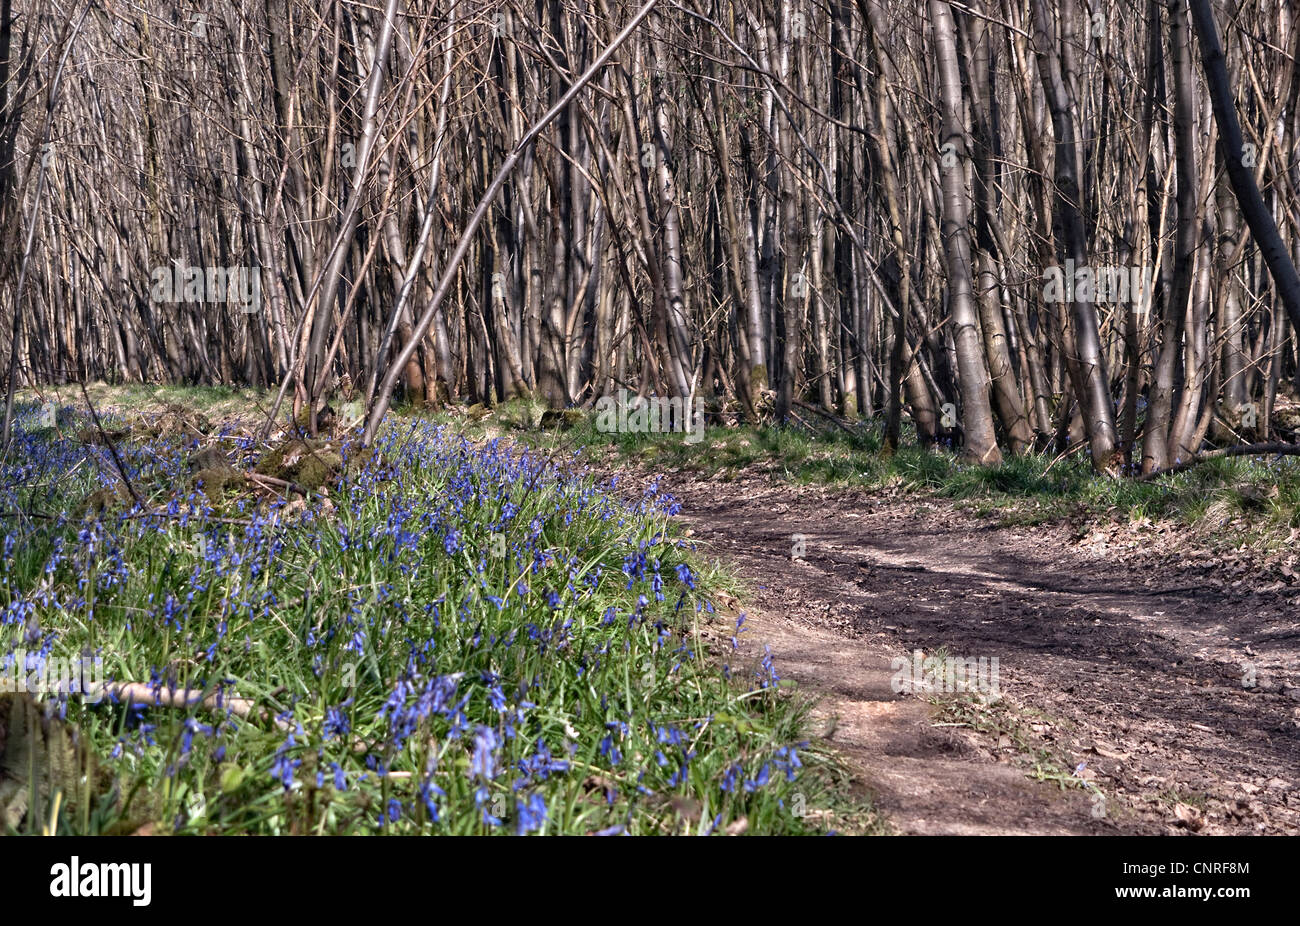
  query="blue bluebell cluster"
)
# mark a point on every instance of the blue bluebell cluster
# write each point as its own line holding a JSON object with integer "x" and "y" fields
{"x": 451, "y": 636}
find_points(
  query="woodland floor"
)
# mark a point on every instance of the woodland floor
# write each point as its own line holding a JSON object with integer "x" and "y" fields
{"x": 1125, "y": 648}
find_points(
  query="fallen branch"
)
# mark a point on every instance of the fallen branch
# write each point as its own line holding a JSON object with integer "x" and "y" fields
{"x": 269, "y": 481}
{"x": 1245, "y": 450}
{"x": 138, "y": 693}
{"x": 829, "y": 417}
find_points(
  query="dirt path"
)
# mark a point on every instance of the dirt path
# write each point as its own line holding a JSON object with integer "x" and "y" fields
{"x": 1114, "y": 649}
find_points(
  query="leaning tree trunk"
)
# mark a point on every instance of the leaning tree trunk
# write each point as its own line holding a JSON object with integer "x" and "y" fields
{"x": 1257, "y": 216}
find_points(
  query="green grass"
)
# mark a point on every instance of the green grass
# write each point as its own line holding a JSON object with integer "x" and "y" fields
{"x": 459, "y": 639}
{"x": 1229, "y": 500}
{"x": 212, "y": 400}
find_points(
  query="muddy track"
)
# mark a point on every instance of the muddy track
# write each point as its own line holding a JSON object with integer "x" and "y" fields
{"x": 1171, "y": 679}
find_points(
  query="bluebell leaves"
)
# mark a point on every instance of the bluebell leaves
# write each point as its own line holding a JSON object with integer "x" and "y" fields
{"x": 460, "y": 638}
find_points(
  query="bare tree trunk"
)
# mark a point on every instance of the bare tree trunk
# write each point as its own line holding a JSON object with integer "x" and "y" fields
{"x": 980, "y": 442}
{"x": 1091, "y": 384}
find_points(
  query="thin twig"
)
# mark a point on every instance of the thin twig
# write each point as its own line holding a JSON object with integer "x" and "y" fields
{"x": 112, "y": 447}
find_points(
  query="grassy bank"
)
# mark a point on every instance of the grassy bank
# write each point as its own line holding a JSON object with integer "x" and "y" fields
{"x": 447, "y": 638}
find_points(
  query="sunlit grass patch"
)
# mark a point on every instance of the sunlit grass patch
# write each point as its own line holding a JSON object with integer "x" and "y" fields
{"x": 1259, "y": 495}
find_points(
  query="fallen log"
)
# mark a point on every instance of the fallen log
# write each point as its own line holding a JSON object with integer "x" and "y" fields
{"x": 1245, "y": 450}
